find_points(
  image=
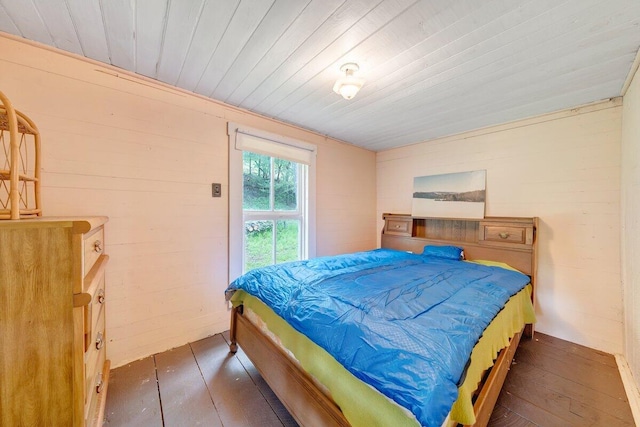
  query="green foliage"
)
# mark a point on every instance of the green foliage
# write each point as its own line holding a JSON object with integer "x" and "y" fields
{"x": 259, "y": 242}
{"x": 258, "y": 246}
{"x": 257, "y": 182}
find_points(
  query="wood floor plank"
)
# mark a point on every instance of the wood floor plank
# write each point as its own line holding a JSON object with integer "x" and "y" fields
{"x": 577, "y": 350}
{"x": 281, "y": 412}
{"x": 278, "y": 408}
{"x": 590, "y": 358}
{"x": 132, "y": 399}
{"x": 535, "y": 414}
{"x": 529, "y": 374}
{"x": 562, "y": 405}
{"x": 238, "y": 400}
{"x": 595, "y": 376}
{"x": 183, "y": 392}
{"x": 503, "y": 417}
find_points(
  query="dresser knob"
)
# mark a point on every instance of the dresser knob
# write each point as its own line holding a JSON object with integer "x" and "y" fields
{"x": 99, "y": 341}
{"x": 97, "y": 246}
{"x": 504, "y": 235}
{"x": 101, "y": 296}
{"x": 99, "y": 383}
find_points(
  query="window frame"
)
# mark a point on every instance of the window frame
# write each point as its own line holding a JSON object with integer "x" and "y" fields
{"x": 274, "y": 146}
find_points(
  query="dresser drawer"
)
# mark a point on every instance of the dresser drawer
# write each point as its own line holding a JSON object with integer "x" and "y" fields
{"x": 93, "y": 247}
{"x": 401, "y": 226}
{"x": 95, "y": 351}
{"x": 98, "y": 300}
{"x": 96, "y": 386}
{"x": 95, "y": 308}
{"x": 506, "y": 234}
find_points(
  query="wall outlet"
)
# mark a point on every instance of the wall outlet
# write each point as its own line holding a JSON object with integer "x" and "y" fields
{"x": 216, "y": 190}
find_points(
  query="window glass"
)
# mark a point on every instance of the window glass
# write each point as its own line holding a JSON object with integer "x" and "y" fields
{"x": 256, "y": 170}
{"x": 258, "y": 248}
{"x": 285, "y": 185}
{"x": 270, "y": 197}
{"x": 287, "y": 240}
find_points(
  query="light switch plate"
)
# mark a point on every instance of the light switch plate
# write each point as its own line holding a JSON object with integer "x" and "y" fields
{"x": 216, "y": 190}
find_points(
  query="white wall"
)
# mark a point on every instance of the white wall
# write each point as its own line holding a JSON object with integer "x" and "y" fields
{"x": 145, "y": 155}
{"x": 562, "y": 167}
{"x": 631, "y": 224}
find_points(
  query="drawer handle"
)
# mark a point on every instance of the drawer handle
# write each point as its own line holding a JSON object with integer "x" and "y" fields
{"x": 101, "y": 296}
{"x": 97, "y": 246}
{"x": 99, "y": 383}
{"x": 99, "y": 341}
{"x": 504, "y": 235}
{"x": 81, "y": 299}
{"x": 397, "y": 225}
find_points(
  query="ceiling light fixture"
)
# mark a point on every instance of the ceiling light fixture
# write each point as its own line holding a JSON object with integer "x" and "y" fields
{"x": 348, "y": 85}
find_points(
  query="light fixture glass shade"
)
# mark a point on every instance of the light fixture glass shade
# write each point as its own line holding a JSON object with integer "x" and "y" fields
{"x": 348, "y": 85}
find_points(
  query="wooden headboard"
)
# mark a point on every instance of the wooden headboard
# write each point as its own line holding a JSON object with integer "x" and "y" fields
{"x": 511, "y": 240}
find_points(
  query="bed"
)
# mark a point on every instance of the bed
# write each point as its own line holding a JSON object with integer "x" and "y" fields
{"x": 310, "y": 384}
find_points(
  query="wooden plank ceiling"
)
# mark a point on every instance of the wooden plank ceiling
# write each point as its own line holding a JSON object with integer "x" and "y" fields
{"x": 432, "y": 67}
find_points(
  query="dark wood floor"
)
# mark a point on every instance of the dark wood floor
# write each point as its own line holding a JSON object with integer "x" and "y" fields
{"x": 552, "y": 383}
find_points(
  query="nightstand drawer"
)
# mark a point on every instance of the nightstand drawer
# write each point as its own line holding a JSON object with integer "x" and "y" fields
{"x": 401, "y": 226}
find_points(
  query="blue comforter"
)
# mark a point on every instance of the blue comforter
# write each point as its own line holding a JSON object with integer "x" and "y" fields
{"x": 403, "y": 323}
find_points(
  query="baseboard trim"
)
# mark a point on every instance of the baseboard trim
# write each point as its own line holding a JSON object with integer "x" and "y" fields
{"x": 630, "y": 387}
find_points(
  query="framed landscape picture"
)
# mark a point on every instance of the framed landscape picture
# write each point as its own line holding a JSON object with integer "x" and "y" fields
{"x": 451, "y": 195}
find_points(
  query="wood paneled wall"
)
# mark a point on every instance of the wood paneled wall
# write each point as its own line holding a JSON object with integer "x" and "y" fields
{"x": 631, "y": 226}
{"x": 145, "y": 155}
{"x": 563, "y": 168}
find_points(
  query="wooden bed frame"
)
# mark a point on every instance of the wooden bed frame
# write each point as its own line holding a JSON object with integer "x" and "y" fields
{"x": 507, "y": 239}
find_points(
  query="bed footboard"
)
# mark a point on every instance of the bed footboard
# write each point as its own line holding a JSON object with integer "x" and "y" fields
{"x": 295, "y": 388}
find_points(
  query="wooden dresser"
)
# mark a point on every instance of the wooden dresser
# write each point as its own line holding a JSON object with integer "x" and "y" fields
{"x": 53, "y": 366}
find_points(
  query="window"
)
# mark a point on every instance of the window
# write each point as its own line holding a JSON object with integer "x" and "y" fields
{"x": 271, "y": 189}
{"x": 273, "y": 218}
